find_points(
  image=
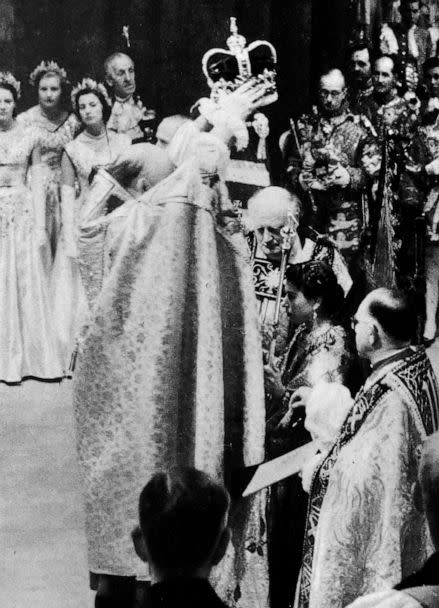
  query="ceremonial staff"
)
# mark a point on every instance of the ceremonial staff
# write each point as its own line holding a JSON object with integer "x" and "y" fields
{"x": 287, "y": 233}
{"x": 299, "y": 150}
{"x": 126, "y": 35}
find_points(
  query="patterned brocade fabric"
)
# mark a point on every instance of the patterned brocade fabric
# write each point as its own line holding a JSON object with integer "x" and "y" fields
{"x": 361, "y": 514}
{"x": 170, "y": 374}
{"x": 336, "y": 140}
{"x": 51, "y": 140}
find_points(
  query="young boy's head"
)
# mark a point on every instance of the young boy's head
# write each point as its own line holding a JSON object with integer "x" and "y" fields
{"x": 183, "y": 524}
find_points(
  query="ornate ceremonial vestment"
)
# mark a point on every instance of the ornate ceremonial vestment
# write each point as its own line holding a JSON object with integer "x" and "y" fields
{"x": 129, "y": 116}
{"x": 170, "y": 373}
{"x": 364, "y": 533}
{"x": 325, "y": 142}
{"x": 315, "y": 354}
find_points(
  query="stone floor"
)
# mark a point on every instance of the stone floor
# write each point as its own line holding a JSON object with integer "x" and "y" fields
{"x": 42, "y": 543}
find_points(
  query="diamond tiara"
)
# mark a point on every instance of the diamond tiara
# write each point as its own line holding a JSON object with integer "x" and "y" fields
{"x": 90, "y": 84}
{"x": 46, "y": 67}
{"x": 8, "y": 78}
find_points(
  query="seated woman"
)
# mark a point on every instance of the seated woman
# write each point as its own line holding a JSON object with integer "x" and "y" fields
{"x": 321, "y": 349}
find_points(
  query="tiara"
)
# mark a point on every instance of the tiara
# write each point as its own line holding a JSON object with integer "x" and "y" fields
{"x": 90, "y": 84}
{"x": 226, "y": 69}
{"x": 8, "y": 78}
{"x": 43, "y": 68}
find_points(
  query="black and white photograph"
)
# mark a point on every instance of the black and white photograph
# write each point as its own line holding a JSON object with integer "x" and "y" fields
{"x": 219, "y": 303}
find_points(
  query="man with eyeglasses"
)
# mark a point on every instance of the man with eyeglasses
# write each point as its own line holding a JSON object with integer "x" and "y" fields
{"x": 329, "y": 167}
{"x": 364, "y": 533}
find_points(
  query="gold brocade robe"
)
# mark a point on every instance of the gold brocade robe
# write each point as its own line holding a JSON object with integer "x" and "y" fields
{"x": 364, "y": 533}
{"x": 170, "y": 374}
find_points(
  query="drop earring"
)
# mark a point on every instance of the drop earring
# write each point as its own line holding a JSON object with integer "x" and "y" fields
{"x": 314, "y": 314}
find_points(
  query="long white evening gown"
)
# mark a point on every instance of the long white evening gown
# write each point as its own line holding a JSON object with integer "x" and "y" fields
{"x": 52, "y": 138}
{"x": 69, "y": 300}
{"x": 27, "y": 339}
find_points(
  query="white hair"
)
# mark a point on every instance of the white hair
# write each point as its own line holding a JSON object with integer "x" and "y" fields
{"x": 271, "y": 207}
{"x": 109, "y": 60}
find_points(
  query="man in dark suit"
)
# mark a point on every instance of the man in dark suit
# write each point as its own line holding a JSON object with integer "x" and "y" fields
{"x": 183, "y": 533}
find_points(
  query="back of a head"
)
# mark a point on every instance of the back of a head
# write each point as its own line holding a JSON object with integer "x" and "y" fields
{"x": 430, "y": 64}
{"x": 395, "y": 313}
{"x": 271, "y": 206}
{"x": 182, "y": 515}
{"x": 168, "y": 127}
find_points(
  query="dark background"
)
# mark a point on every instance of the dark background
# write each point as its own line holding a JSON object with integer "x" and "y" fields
{"x": 168, "y": 40}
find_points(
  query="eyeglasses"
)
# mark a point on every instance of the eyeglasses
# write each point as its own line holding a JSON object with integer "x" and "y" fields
{"x": 335, "y": 94}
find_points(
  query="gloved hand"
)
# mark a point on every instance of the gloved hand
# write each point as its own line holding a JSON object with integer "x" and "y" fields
{"x": 305, "y": 179}
{"x": 243, "y": 101}
{"x": 433, "y": 167}
{"x": 339, "y": 177}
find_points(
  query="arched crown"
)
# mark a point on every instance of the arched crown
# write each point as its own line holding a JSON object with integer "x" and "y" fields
{"x": 225, "y": 69}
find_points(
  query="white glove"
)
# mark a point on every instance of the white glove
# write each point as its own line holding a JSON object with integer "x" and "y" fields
{"x": 243, "y": 101}
{"x": 340, "y": 177}
{"x": 305, "y": 179}
{"x": 433, "y": 167}
{"x": 69, "y": 235}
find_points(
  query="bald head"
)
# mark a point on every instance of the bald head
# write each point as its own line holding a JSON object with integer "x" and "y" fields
{"x": 271, "y": 207}
{"x": 393, "y": 312}
{"x": 332, "y": 92}
{"x": 167, "y": 128}
{"x": 333, "y": 78}
{"x": 108, "y": 63}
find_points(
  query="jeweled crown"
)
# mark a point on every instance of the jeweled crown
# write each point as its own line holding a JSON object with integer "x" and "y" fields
{"x": 8, "y": 78}
{"x": 46, "y": 67}
{"x": 89, "y": 84}
{"x": 225, "y": 69}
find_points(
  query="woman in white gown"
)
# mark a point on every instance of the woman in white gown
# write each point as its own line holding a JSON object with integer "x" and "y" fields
{"x": 92, "y": 147}
{"x": 27, "y": 342}
{"x": 55, "y": 127}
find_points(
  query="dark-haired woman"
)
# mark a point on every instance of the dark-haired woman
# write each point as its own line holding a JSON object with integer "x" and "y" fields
{"x": 27, "y": 342}
{"x": 55, "y": 127}
{"x": 94, "y": 146}
{"x": 321, "y": 349}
